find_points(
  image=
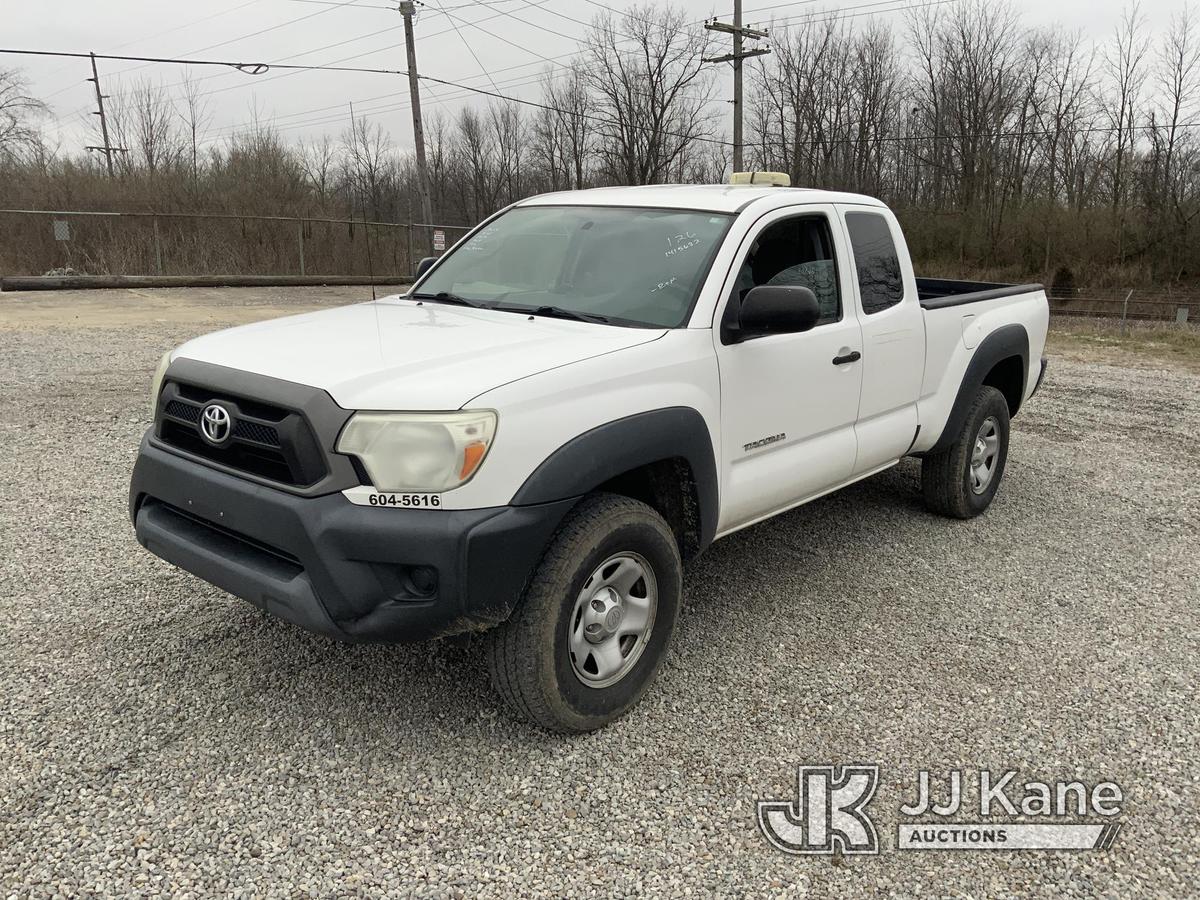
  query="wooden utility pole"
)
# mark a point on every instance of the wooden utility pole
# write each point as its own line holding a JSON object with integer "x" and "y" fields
{"x": 108, "y": 149}
{"x": 414, "y": 91}
{"x": 739, "y": 53}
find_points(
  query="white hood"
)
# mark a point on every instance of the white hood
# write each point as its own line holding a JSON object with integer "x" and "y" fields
{"x": 396, "y": 354}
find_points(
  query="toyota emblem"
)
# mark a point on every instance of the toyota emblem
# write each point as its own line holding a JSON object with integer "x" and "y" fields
{"x": 215, "y": 423}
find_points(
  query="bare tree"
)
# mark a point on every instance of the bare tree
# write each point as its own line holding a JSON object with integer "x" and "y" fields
{"x": 319, "y": 160}
{"x": 509, "y": 138}
{"x": 143, "y": 120}
{"x": 19, "y": 113}
{"x": 196, "y": 114}
{"x": 477, "y": 157}
{"x": 1064, "y": 114}
{"x": 565, "y": 131}
{"x": 651, "y": 89}
{"x": 1124, "y": 65}
{"x": 1174, "y": 175}
{"x": 367, "y": 152}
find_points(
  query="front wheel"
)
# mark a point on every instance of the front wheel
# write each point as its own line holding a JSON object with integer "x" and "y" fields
{"x": 594, "y": 625}
{"x": 961, "y": 480}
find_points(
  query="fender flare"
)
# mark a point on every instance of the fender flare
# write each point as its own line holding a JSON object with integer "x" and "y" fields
{"x": 611, "y": 449}
{"x": 1006, "y": 341}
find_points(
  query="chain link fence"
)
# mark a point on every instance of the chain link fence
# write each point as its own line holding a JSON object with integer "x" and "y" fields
{"x": 38, "y": 242}
{"x": 1132, "y": 305}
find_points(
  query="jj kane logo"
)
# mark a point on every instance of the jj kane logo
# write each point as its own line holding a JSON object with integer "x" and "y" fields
{"x": 829, "y": 814}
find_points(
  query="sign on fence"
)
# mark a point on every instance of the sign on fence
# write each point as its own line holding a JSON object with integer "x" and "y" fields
{"x": 62, "y": 230}
{"x": 439, "y": 241}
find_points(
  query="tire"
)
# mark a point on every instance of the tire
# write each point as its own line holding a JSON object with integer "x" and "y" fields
{"x": 950, "y": 479}
{"x": 534, "y": 658}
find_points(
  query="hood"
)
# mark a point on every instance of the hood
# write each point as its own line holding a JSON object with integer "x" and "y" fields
{"x": 396, "y": 354}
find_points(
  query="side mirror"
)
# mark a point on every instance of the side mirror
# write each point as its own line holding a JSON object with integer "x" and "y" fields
{"x": 424, "y": 265}
{"x": 775, "y": 309}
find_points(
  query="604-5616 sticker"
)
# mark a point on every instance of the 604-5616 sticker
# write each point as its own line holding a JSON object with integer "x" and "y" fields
{"x": 366, "y": 495}
{"x": 425, "y": 501}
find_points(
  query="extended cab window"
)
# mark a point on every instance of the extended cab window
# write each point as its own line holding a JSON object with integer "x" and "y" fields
{"x": 796, "y": 251}
{"x": 875, "y": 261}
{"x": 629, "y": 265}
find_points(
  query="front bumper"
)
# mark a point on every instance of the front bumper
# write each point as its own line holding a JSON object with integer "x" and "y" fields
{"x": 331, "y": 566}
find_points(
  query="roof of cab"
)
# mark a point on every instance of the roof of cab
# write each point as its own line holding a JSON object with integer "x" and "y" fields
{"x": 723, "y": 198}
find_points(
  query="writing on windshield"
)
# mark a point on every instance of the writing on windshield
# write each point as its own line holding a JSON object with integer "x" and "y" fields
{"x": 627, "y": 265}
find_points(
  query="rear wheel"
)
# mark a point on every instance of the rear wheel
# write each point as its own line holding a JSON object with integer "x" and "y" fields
{"x": 961, "y": 480}
{"x": 594, "y": 625}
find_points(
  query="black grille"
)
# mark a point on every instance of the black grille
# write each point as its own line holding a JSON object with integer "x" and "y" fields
{"x": 266, "y": 441}
{"x": 184, "y": 411}
{"x": 252, "y": 431}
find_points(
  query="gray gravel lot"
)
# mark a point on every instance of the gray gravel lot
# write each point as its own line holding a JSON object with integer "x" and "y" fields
{"x": 156, "y": 734}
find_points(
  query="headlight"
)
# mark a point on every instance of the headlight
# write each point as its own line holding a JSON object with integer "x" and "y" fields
{"x": 156, "y": 385}
{"x": 426, "y": 452}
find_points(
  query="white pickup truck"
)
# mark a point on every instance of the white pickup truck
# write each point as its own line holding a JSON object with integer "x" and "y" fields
{"x": 582, "y": 394}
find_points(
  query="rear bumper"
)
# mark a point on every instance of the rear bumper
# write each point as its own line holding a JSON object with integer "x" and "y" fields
{"x": 356, "y": 573}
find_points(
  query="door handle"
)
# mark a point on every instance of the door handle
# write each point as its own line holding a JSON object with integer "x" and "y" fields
{"x": 854, "y": 356}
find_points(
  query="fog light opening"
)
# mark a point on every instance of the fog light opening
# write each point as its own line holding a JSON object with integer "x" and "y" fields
{"x": 423, "y": 580}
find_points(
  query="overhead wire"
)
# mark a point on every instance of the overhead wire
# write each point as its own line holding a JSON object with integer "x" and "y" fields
{"x": 259, "y": 69}
{"x": 482, "y": 68}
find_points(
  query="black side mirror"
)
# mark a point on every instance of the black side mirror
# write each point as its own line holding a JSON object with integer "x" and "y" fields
{"x": 424, "y": 265}
{"x": 774, "y": 309}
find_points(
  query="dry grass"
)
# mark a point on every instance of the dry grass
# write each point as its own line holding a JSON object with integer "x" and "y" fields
{"x": 1140, "y": 345}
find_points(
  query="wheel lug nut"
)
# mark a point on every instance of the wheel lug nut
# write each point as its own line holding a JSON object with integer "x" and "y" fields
{"x": 598, "y": 605}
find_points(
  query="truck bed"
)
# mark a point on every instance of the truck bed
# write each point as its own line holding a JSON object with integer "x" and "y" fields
{"x": 938, "y": 293}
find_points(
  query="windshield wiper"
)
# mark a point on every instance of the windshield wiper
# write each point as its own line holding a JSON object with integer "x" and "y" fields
{"x": 559, "y": 312}
{"x": 447, "y": 297}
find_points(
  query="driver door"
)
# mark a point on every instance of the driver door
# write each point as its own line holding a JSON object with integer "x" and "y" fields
{"x": 789, "y": 402}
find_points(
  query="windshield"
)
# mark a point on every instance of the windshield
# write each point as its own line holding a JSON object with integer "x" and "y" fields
{"x": 627, "y": 266}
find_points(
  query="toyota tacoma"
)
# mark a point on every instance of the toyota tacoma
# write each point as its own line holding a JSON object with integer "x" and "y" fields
{"x": 579, "y": 397}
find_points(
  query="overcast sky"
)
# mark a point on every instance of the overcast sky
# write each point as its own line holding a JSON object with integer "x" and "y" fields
{"x": 511, "y": 38}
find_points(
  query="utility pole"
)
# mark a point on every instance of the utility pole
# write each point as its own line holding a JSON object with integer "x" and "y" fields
{"x": 407, "y": 7}
{"x": 108, "y": 149}
{"x": 739, "y": 53}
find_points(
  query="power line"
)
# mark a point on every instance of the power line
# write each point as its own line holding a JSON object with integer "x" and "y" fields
{"x": 339, "y": 3}
{"x": 964, "y": 135}
{"x": 397, "y": 106}
{"x": 270, "y": 28}
{"x": 246, "y": 68}
{"x": 515, "y": 81}
{"x": 348, "y": 5}
{"x": 470, "y": 49}
{"x": 586, "y": 116}
{"x": 849, "y": 12}
{"x": 259, "y": 69}
{"x": 468, "y": 90}
{"x": 579, "y": 40}
{"x": 352, "y": 56}
{"x": 159, "y": 34}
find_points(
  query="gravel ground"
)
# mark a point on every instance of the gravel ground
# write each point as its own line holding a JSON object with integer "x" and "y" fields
{"x": 156, "y": 734}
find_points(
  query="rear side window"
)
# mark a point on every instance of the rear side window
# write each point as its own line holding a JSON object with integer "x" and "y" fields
{"x": 875, "y": 261}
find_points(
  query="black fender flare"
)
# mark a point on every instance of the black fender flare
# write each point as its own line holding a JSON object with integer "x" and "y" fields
{"x": 1005, "y": 341}
{"x": 617, "y": 447}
